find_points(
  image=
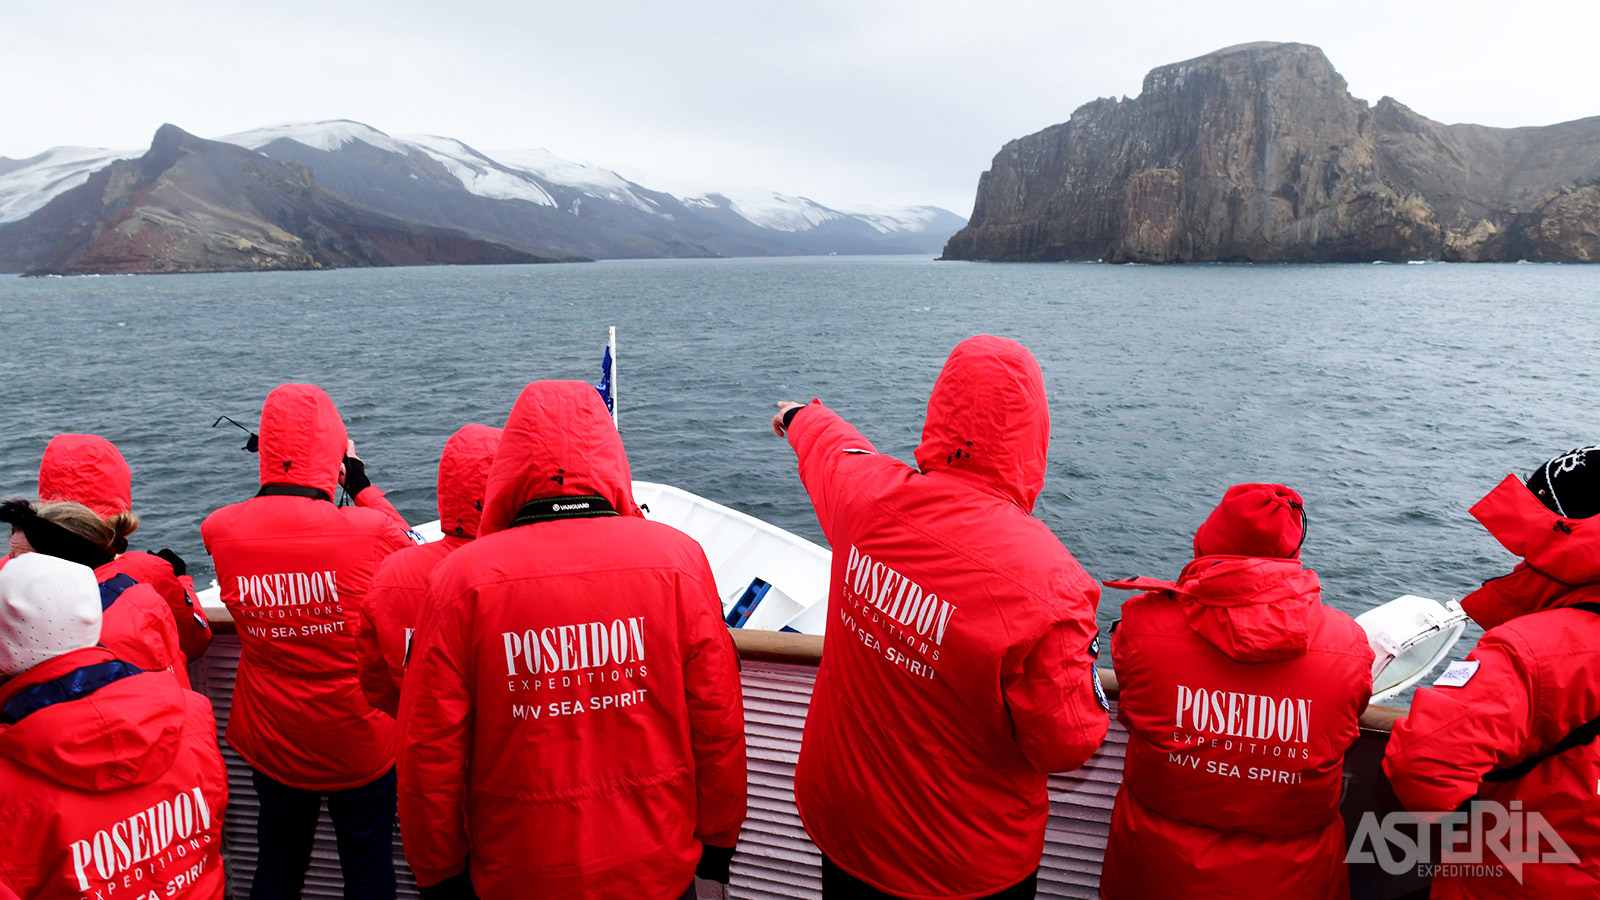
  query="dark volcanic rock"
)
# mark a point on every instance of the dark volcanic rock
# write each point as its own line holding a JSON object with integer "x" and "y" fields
{"x": 1258, "y": 152}
{"x": 192, "y": 205}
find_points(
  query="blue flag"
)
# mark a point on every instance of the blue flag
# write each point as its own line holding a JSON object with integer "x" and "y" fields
{"x": 604, "y": 387}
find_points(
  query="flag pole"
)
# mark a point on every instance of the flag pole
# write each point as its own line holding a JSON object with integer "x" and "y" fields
{"x": 615, "y": 409}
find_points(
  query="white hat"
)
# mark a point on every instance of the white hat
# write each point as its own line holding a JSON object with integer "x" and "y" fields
{"x": 48, "y": 607}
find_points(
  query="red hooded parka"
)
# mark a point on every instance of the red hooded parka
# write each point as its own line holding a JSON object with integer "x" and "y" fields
{"x": 293, "y": 572}
{"x": 958, "y": 667}
{"x": 88, "y": 469}
{"x": 1534, "y": 678}
{"x": 1241, "y": 693}
{"x": 137, "y": 624}
{"x": 109, "y": 781}
{"x": 572, "y": 718}
{"x": 394, "y": 605}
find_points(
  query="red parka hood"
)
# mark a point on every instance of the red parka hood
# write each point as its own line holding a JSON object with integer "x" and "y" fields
{"x": 1254, "y": 609}
{"x": 127, "y": 733}
{"x": 1559, "y": 556}
{"x": 988, "y": 421}
{"x": 559, "y": 441}
{"x": 463, "y": 474}
{"x": 86, "y": 469}
{"x": 302, "y": 438}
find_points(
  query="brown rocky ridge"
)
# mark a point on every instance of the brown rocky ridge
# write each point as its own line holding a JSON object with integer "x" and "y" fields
{"x": 192, "y": 205}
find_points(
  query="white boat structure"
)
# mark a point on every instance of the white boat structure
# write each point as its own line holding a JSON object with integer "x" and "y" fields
{"x": 769, "y": 578}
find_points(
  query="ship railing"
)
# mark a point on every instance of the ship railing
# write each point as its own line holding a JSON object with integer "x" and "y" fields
{"x": 775, "y": 859}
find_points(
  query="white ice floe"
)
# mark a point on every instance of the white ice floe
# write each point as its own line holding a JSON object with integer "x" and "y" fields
{"x": 26, "y": 189}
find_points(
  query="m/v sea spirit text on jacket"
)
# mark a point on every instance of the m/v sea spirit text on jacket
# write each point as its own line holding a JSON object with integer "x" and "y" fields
{"x": 293, "y": 569}
{"x": 959, "y": 660}
{"x": 571, "y": 723}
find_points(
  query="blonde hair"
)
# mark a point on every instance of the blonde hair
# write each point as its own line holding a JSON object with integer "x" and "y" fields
{"x": 124, "y": 524}
{"x": 80, "y": 520}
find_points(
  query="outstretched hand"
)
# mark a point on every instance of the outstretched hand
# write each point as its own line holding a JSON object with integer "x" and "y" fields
{"x": 783, "y": 410}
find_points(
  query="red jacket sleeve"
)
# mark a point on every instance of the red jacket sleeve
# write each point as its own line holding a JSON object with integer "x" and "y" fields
{"x": 194, "y": 632}
{"x": 716, "y": 711}
{"x": 1052, "y": 693}
{"x": 436, "y": 721}
{"x": 372, "y": 498}
{"x": 1438, "y": 755}
{"x": 396, "y": 533}
{"x": 828, "y": 447}
{"x": 377, "y": 682}
{"x": 144, "y": 633}
{"x": 168, "y": 631}
{"x": 194, "y": 635}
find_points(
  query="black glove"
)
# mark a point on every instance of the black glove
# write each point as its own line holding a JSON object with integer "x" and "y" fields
{"x": 788, "y": 417}
{"x": 458, "y": 887}
{"x": 355, "y": 476}
{"x": 179, "y": 567}
{"x": 714, "y": 863}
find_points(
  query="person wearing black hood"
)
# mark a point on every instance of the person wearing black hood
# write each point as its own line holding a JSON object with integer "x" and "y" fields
{"x": 1515, "y": 723}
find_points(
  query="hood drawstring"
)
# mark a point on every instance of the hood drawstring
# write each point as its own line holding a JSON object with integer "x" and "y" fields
{"x": 1305, "y": 526}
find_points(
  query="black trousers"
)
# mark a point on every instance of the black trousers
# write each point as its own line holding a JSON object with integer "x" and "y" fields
{"x": 363, "y": 822}
{"x": 837, "y": 884}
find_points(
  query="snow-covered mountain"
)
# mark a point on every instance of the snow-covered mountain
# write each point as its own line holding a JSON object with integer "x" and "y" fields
{"x": 26, "y": 185}
{"x": 531, "y": 200}
{"x": 615, "y": 216}
{"x": 191, "y": 205}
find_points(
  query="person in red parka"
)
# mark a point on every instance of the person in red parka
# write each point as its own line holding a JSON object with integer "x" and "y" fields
{"x": 88, "y": 469}
{"x": 1241, "y": 693}
{"x": 293, "y": 569}
{"x": 572, "y": 724}
{"x": 136, "y": 624}
{"x": 958, "y": 667}
{"x": 110, "y": 778}
{"x": 1515, "y": 723}
{"x": 393, "y": 606}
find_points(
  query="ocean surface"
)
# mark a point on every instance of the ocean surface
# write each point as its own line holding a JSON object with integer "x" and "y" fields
{"x": 1391, "y": 396}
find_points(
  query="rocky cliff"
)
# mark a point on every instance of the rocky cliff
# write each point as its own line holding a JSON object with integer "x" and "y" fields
{"x": 1258, "y": 152}
{"x": 192, "y": 205}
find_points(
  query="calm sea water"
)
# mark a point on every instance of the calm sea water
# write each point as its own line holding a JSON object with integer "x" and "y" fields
{"x": 1393, "y": 397}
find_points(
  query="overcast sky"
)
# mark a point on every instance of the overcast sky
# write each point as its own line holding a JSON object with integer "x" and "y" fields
{"x": 855, "y": 101}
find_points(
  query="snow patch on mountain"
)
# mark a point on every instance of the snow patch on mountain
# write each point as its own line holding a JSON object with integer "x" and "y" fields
{"x": 592, "y": 180}
{"x": 767, "y": 209}
{"x": 27, "y": 188}
{"x": 329, "y": 135}
{"x": 896, "y": 219}
{"x": 478, "y": 173}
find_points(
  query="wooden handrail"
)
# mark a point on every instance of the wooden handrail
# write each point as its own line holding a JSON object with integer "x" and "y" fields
{"x": 778, "y": 646}
{"x": 806, "y": 649}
